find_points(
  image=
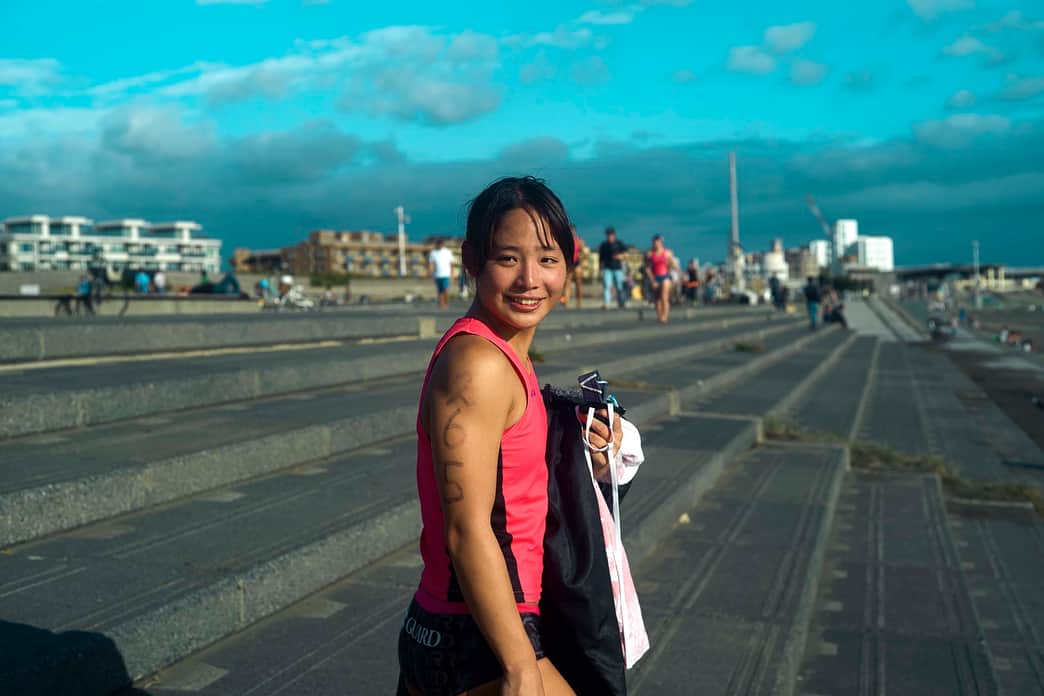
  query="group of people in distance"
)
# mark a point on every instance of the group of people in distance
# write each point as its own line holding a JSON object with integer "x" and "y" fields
{"x": 661, "y": 271}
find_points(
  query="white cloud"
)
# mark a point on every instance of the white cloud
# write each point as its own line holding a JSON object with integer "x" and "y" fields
{"x": 960, "y": 130}
{"x": 962, "y": 99}
{"x": 29, "y": 77}
{"x": 408, "y": 72}
{"x": 1022, "y": 88}
{"x": 930, "y": 10}
{"x": 1014, "y": 20}
{"x": 750, "y": 59}
{"x": 129, "y": 84}
{"x": 148, "y": 132}
{"x": 537, "y": 71}
{"x": 599, "y": 17}
{"x": 471, "y": 45}
{"x": 789, "y": 37}
{"x": 564, "y": 36}
{"x": 806, "y": 72}
{"x": 591, "y": 71}
{"x": 970, "y": 46}
{"x": 31, "y": 124}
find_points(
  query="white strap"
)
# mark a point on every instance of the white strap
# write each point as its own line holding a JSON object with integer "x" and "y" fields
{"x": 614, "y": 476}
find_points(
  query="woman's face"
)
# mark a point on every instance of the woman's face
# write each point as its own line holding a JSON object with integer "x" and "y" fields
{"x": 523, "y": 279}
{"x": 657, "y": 245}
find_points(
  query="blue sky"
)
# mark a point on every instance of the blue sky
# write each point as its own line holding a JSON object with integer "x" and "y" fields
{"x": 924, "y": 119}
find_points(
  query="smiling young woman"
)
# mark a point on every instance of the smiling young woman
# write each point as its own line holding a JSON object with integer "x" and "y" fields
{"x": 473, "y": 624}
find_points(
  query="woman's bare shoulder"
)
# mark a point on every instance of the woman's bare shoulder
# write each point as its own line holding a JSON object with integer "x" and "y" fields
{"x": 474, "y": 358}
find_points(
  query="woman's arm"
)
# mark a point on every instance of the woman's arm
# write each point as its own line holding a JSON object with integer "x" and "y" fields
{"x": 468, "y": 408}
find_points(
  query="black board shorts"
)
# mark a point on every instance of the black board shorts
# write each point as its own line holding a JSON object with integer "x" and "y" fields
{"x": 446, "y": 654}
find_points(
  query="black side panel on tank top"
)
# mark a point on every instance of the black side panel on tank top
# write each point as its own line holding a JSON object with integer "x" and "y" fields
{"x": 579, "y": 630}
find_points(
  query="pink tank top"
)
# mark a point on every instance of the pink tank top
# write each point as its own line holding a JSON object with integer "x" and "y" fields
{"x": 659, "y": 263}
{"x": 519, "y": 508}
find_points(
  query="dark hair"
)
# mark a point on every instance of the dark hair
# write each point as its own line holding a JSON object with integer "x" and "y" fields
{"x": 528, "y": 193}
{"x": 609, "y": 231}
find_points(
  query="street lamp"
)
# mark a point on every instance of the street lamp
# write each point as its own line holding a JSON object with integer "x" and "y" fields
{"x": 403, "y": 218}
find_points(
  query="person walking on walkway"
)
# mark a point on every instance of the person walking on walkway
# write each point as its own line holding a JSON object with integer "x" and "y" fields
{"x": 611, "y": 261}
{"x": 578, "y": 277}
{"x": 440, "y": 264}
{"x": 659, "y": 262}
{"x": 813, "y": 297}
{"x": 482, "y": 480}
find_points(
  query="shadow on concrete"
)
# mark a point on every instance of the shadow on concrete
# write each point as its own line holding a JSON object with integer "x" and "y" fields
{"x": 38, "y": 662}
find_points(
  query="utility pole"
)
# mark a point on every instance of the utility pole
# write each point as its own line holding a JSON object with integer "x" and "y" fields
{"x": 975, "y": 265}
{"x": 734, "y": 201}
{"x": 735, "y": 251}
{"x": 403, "y": 218}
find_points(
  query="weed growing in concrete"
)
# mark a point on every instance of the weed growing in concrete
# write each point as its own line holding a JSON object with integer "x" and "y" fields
{"x": 749, "y": 347}
{"x": 874, "y": 457}
{"x": 776, "y": 428}
{"x": 535, "y": 355}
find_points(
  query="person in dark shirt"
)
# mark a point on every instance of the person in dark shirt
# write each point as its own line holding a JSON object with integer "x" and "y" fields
{"x": 812, "y": 299}
{"x": 610, "y": 258}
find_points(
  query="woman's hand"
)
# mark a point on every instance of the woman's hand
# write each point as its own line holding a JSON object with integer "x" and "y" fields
{"x": 525, "y": 682}
{"x": 599, "y": 436}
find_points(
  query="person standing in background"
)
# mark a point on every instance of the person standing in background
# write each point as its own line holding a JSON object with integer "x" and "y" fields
{"x": 611, "y": 260}
{"x": 440, "y": 264}
{"x": 160, "y": 282}
{"x": 578, "y": 278}
{"x": 812, "y": 299}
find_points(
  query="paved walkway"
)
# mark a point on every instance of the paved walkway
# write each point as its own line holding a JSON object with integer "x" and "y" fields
{"x": 863, "y": 321}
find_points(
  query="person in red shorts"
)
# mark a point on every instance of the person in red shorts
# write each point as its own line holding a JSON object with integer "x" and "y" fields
{"x": 473, "y": 626}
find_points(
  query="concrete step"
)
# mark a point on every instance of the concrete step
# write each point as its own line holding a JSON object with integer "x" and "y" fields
{"x": 728, "y": 594}
{"x": 834, "y": 403}
{"x": 1001, "y": 550}
{"x": 50, "y": 339}
{"x": 58, "y": 481}
{"x": 894, "y": 614}
{"x": 40, "y": 400}
{"x": 164, "y": 583}
{"x": 35, "y": 340}
{"x": 778, "y": 381}
{"x": 922, "y": 404}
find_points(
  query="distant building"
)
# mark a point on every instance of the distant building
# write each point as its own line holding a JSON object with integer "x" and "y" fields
{"x": 801, "y": 263}
{"x": 845, "y": 234}
{"x": 774, "y": 261}
{"x": 39, "y": 242}
{"x": 820, "y": 250}
{"x": 257, "y": 261}
{"x": 360, "y": 253}
{"x": 875, "y": 253}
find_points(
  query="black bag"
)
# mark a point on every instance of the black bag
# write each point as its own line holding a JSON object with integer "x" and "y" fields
{"x": 579, "y": 630}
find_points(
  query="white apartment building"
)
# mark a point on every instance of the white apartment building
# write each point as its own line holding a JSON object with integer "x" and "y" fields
{"x": 845, "y": 234}
{"x": 875, "y": 253}
{"x": 39, "y": 242}
{"x": 820, "y": 250}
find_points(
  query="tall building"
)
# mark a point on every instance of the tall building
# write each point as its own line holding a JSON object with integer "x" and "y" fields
{"x": 39, "y": 242}
{"x": 845, "y": 234}
{"x": 820, "y": 250}
{"x": 875, "y": 253}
